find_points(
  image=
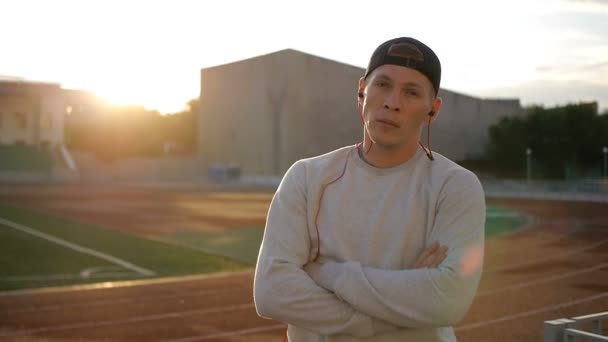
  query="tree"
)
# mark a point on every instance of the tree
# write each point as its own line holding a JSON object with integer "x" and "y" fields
{"x": 565, "y": 141}
{"x": 117, "y": 132}
{"x": 181, "y": 128}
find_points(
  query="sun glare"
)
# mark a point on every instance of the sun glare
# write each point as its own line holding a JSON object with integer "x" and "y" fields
{"x": 165, "y": 98}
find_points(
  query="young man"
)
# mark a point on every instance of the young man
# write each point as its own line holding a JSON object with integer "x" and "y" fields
{"x": 382, "y": 241}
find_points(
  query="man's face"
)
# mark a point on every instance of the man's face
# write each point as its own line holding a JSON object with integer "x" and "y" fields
{"x": 396, "y": 103}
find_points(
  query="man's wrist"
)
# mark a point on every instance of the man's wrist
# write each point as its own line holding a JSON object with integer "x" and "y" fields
{"x": 329, "y": 274}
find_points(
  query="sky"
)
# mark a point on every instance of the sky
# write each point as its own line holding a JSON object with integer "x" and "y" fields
{"x": 546, "y": 52}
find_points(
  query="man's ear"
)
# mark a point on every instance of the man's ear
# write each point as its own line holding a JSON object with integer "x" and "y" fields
{"x": 361, "y": 98}
{"x": 361, "y": 91}
{"x": 436, "y": 107}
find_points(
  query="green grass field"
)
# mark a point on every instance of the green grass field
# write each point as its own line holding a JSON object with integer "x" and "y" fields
{"x": 239, "y": 244}
{"x": 23, "y": 255}
{"x": 243, "y": 244}
{"x": 501, "y": 220}
{"x": 28, "y": 261}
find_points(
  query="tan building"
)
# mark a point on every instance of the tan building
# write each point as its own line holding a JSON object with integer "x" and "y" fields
{"x": 461, "y": 130}
{"x": 266, "y": 112}
{"x": 31, "y": 113}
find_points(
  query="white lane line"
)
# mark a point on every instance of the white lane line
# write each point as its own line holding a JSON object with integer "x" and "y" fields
{"x": 241, "y": 288}
{"x": 229, "y": 334}
{"x": 530, "y": 312}
{"x": 136, "y": 319}
{"x": 78, "y": 248}
{"x": 542, "y": 281}
{"x": 134, "y": 300}
{"x": 550, "y": 257}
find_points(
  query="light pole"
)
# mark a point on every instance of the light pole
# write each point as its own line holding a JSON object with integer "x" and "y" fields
{"x": 605, "y": 152}
{"x": 528, "y": 164}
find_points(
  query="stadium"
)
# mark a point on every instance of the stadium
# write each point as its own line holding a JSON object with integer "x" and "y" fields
{"x": 164, "y": 250}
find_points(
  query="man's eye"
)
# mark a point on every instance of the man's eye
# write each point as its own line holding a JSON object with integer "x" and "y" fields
{"x": 382, "y": 84}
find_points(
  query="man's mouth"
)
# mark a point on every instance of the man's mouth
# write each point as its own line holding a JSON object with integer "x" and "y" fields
{"x": 388, "y": 122}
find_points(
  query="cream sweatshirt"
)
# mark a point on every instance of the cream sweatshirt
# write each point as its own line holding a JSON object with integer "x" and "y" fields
{"x": 373, "y": 223}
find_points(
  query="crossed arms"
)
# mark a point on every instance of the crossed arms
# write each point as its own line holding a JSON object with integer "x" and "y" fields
{"x": 348, "y": 298}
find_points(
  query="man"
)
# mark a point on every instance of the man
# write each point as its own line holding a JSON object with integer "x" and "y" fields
{"x": 382, "y": 241}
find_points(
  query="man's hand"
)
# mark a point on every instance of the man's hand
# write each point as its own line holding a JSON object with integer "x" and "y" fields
{"x": 432, "y": 257}
{"x": 313, "y": 269}
{"x": 325, "y": 275}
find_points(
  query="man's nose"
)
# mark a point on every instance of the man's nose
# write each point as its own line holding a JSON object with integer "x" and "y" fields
{"x": 391, "y": 102}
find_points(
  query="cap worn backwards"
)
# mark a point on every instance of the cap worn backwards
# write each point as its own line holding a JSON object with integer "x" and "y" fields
{"x": 410, "y": 53}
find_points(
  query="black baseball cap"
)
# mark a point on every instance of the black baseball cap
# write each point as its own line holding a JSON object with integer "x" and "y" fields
{"x": 410, "y": 53}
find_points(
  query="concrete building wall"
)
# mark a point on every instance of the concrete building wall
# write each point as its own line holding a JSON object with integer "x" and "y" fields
{"x": 239, "y": 106}
{"x": 51, "y": 120}
{"x": 322, "y": 107}
{"x": 460, "y": 131}
{"x": 15, "y": 111}
{"x": 31, "y": 113}
{"x": 266, "y": 112}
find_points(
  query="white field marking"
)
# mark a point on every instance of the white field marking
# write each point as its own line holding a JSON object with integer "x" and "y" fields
{"x": 135, "y": 319}
{"x": 541, "y": 281}
{"x": 134, "y": 300}
{"x": 574, "y": 220}
{"x": 530, "y": 312}
{"x": 550, "y": 257}
{"x": 530, "y": 224}
{"x": 537, "y": 225}
{"x": 230, "y": 334}
{"x": 496, "y": 214}
{"x": 185, "y": 245}
{"x": 87, "y": 272}
{"x": 553, "y": 235}
{"x": 544, "y": 230}
{"x": 49, "y": 277}
{"x": 78, "y": 248}
{"x": 93, "y": 272}
{"x": 100, "y": 272}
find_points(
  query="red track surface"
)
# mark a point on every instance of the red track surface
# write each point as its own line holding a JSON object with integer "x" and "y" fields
{"x": 557, "y": 267}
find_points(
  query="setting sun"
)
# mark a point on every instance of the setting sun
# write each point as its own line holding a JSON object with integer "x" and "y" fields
{"x": 151, "y": 53}
{"x": 164, "y": 98}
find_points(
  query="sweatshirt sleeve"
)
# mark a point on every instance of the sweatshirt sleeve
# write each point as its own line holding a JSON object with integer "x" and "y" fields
{"x": 282, "y": 289}
{"x": 426, "y": 297}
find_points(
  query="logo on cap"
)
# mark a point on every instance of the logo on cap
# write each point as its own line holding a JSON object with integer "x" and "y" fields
{"x": 413, "y": 57}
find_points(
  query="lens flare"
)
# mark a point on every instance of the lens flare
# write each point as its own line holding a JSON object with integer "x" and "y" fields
{"x": 472, "y": 260}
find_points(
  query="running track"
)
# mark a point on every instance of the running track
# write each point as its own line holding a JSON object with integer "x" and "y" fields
{"x": 556, "y": 267}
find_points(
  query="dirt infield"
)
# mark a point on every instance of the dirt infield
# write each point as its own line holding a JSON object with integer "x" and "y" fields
{"x": 556, "y": 267}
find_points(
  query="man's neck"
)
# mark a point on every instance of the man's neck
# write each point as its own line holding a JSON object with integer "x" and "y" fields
{"x": 382, "y": 157}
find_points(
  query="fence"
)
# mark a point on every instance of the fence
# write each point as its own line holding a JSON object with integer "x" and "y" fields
{"x": 588, "y": 190}
{"x": 568, "y": 330}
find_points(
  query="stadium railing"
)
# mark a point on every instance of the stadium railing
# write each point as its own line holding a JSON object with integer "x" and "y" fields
{"x": 588, "y": 190}
{"x": 568, "y": 329}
